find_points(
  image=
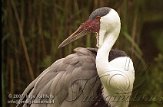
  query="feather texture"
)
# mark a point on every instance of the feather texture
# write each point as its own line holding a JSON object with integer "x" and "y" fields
{"x": 69, "y": 82}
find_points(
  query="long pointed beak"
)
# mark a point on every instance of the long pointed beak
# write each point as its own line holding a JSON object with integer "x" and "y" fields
{"x": 76, "y": 35}
{"x": 87, "y": 27}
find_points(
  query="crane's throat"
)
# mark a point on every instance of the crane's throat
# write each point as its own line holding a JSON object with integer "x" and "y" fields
{"x": 97, "y": 38}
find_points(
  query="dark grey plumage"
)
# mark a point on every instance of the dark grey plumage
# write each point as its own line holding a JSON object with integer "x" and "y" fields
{"x": 99, "y": 12}
{"x": 71, "y": 81}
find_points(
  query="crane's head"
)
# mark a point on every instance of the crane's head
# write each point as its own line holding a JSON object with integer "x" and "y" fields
{"x": 104, "y": 20}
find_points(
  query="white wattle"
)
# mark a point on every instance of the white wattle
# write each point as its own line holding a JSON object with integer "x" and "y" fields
{"x": 117, "y": 76}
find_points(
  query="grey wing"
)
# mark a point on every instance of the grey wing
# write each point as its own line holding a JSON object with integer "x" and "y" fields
{"x": 69, "y": 82}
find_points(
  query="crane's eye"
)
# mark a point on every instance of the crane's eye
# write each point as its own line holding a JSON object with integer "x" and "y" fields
{"x": 97, "y": 17}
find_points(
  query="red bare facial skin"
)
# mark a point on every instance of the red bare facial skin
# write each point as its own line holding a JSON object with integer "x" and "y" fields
{"x": 91, "y": 25}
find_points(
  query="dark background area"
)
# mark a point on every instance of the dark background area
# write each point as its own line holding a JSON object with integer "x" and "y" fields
{"x": 33, "y": 29}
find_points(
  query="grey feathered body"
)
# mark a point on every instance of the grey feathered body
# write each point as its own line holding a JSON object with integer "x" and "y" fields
{"x": 69, "y": 82}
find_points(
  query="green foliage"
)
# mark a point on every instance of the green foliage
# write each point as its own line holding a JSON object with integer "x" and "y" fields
{"x": 157, "y": 36}
{"x": 46, "y": 62}
{"x": 155, "y": 82}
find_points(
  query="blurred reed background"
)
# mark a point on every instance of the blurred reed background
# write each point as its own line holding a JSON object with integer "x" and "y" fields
{"x": 33, "y": 29}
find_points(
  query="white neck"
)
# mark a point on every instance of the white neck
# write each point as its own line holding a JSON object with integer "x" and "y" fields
{"x": 107, "y": 38}
{"x": 103, "y": 51}
{"x": 109, "y": 31}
